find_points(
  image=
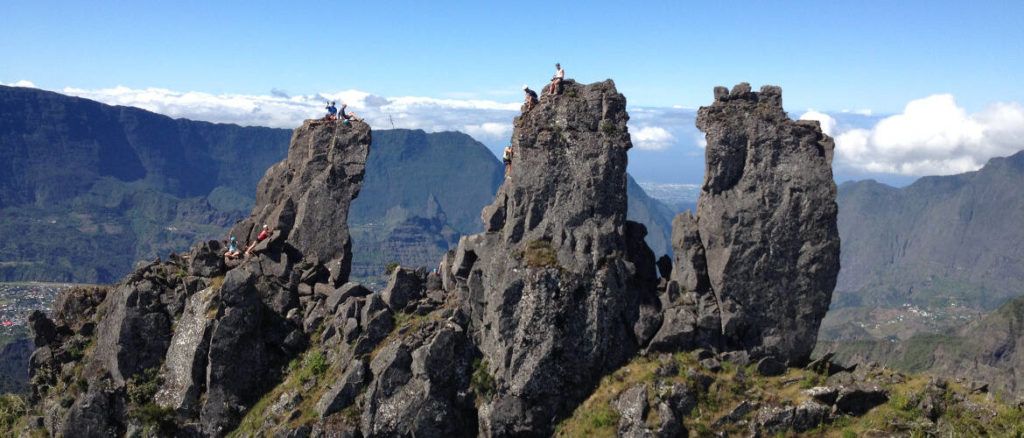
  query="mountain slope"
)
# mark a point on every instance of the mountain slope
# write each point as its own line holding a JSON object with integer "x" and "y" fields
{"x": 942, "y": 240}
{"x": 654, "y": 214}
{"x": 987, "y": 351}
{"x": 86, "y": 188}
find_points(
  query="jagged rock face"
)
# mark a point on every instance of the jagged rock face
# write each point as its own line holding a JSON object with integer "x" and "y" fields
{"x": 766, "y": 221}
{"x": 202, "y": 342}
{"x": 306, "y": 197}
{"x": 549, "y": 291}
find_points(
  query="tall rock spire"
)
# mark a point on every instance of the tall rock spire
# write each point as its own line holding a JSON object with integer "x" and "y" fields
{"x": 549, "y": 288}
{"x": 764, "y": 241}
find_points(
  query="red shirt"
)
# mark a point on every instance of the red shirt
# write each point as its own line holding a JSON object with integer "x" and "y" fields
{"x": 263, "y": 235}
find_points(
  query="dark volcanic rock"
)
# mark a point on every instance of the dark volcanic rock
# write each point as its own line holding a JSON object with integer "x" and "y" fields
{"x": 404, "y": 286}
{"x": 551, "y": 296}
{"x": 306, "y": 197}
{"x": 858, "y": 400}
{"x": 632, "y": 408}
{"x": 417, "y": 382}
{"x": 766, "y": 221}
{"x": 210, "y": 348}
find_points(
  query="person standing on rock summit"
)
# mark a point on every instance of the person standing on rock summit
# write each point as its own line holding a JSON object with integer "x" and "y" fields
{"x": 556, "y": 80}
{"x": 531, "y": 98}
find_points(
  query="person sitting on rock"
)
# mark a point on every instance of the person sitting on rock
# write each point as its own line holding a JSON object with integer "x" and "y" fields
{"x": 346, "y": 117}
{"x": 264, "y": 234}
{"x": 556, "y": 80}
{"x": 233, "y": 252}
{"x": 506, "y": 156}
{"x": 332, "y": 112}
{"x": 531, "y": 98}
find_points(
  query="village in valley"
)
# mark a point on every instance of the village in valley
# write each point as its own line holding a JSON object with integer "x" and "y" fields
{"x": 18, "y": 300}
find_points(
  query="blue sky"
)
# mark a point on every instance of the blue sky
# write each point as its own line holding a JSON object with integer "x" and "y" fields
{"x": 830, "y": 56}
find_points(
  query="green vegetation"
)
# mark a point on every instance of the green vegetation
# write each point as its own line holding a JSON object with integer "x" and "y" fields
{"x": 390, "y": 268}
{"x": 481, "y": 380}
{"x": 608, "y": 128}
{"x": 12, "y": 409}
{"x": 142, "y": 387}
{"x": 972, "y": 415}
{"x": 156, "y": 420}
{"x": 540, "y": 254}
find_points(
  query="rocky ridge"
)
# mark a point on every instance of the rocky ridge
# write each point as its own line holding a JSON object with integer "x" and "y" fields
{"x": 185, "y": 346}
{"x": 516, "y": 328}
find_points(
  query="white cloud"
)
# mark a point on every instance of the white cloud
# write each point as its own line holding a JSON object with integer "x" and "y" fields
{"x": 934, "y": 136}
{"x": 489, "y": 121}
{"x": 828, "y": 123}
{"x": 279, "y": 109}
{"x": 489, "y": 131}
{"x": 652, "y": 138}
{"x": 867, "y": 112}
{"x": 21, "y": 83}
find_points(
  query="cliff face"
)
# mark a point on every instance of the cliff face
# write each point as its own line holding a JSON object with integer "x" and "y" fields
{"x": 760, "y": 258}
{"x": 550, "y": 288}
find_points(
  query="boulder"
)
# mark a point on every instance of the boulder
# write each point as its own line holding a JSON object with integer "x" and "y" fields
{"x": 632, "y": 408}
{"x": 343, "y": 392}
{"x": 184, "y": 370}
{"x": 44, "y": 329}
{"x": 738, "y": 412}
{"x": 404, "y": 286}
{"x": 768, "y": 367}
{"x": 858, "y": 400}
{"x": 206, "y": 259}
{"x": 823, "y": 394}
{"x": 419, "y": 386}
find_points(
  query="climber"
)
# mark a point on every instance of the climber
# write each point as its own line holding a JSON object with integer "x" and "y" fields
{"x": 531, "y": 98}
{"x": 345, "y": 117}
{"x": 332, "y": 112}
{"x": 264, "y": 234}
{"x": 556, "y": 80}
{"x": 233, "y": 252}
{"x": 507, "y": 158}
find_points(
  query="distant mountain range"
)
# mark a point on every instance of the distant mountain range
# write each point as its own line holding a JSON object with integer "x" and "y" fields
{"x": 88, "y": 189}
{"x": 679, "y": 197}
{"x": 933, "y": 274}
{"x": 942, "y": 240}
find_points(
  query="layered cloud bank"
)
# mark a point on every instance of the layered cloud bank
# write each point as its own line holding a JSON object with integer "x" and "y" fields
{"x": 931, "y": 136}
{"x": 489, "y": 121}
{"x": 484, "y": 119}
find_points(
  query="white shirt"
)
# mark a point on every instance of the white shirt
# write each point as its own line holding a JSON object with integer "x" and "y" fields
{"x": 560, "y": 74}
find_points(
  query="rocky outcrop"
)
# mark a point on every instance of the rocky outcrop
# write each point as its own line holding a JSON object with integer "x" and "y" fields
{"x": 184, "y": 347}
{"x": 549, "y": 289}
{"x": 764, "y": 241}
{"x": 514, "y": 330}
